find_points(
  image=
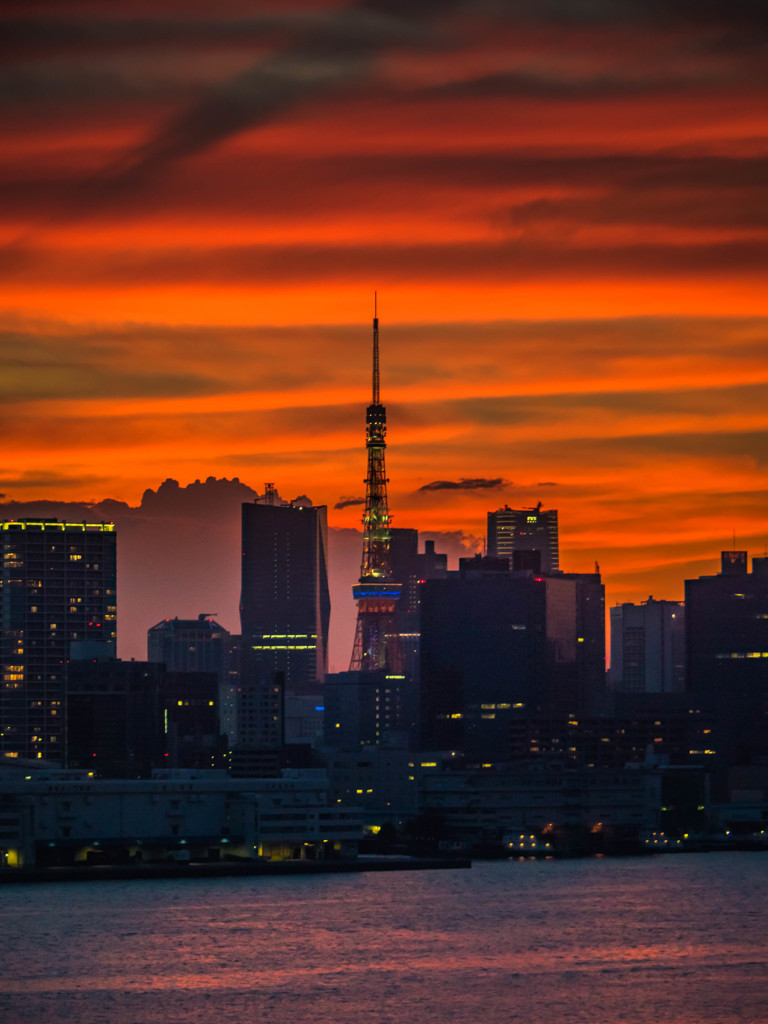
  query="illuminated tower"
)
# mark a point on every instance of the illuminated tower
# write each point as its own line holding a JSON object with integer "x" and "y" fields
{"x": 285, "y": 606}
{"x": 57, "y": 588}
{"x": 524, "y": 529}
{"x": 377, "y": 644}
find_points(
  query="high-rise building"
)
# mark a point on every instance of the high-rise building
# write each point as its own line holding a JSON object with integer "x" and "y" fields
{"x": 285, "y": 605}
{"x": 483, "y": 644}
{"x": 198, "y": 645}
{"x": 726, "y": 627}
{"x": 365, "y": 709}
{"x": 524, "y": 529}
{"x": 189, "y": 645}
{"x": 648, "y": 647}
{"x": 116, "y": 725}
{"x": 499, "y": 647}
{"x": 57, "y": 586}
{"x": 377, "y": 644}
{"x": 410, "y": 568}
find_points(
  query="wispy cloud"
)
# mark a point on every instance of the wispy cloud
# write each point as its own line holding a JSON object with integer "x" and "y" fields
{"x": 346, "y": 502}
{"x": 467, "y": 484}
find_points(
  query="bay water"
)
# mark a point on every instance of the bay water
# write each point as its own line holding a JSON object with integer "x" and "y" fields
{"x": 676, "y": 939}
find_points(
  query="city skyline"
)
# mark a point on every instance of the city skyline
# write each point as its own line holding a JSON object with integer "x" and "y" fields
{"x": 564, "y": 218}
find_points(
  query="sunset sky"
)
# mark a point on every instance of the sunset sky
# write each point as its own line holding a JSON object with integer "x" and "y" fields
{"x": 563, "y": 207}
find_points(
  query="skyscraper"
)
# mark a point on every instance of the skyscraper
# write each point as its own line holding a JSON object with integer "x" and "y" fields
{"x": 500, "y": 647}
{"x": 57, "y": 587}
{"x": 189, "y": 645}
{"x": 285, "y": 605}
{"x": 198, "y": 645}
{"x": 524, "y": 529}
{"x": 648, "y": 647}
{"x": 726, "y": 626}
{"x": 376, "y": 644}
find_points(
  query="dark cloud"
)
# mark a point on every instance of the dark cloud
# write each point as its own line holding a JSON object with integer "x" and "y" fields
{"x": 659, "y": 448}
{"x": 663, "y": 205}
{"x": 740, "y": 13}
{"x": 467, "y": 484}
{"x": 33, "y": 37}
{"x": 346, "y": 502}
{"x": 554, "y": 85}
{"x": 332, "y": 54}
{"x": 24, "y": 380}
{"x": 50, "y": 481}
{"x": 488, "y": 261}
{"x": 654, "y": 189}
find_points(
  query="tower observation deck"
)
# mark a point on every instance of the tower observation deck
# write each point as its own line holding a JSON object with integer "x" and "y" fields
{"x": 377, "y": 643}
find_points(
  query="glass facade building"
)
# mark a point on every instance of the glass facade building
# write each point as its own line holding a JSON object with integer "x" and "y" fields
{"x": 57, "y": 587}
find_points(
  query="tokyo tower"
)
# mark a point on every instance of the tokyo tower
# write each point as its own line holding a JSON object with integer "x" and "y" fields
{"x": 377, "y": 643}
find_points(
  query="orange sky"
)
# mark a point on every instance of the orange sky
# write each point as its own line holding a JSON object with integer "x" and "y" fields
{"x": 563, "y": 207}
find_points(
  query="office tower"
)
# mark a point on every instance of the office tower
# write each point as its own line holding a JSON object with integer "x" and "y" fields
{"x": 376, "y": 645}
{"x": 410, "y": 568}
{"x": 404, "y": 566}
{"x": 198, "y": 645}
{"x": 189, "y": 645}
{"x": 726, "y": 627}
{"x": 575, "y": 667}
{"x": 285, "y": 605}
{"x": 190, "y": 705}
{"x": 648, "y": 647}
{"x": 126, "y": 718}
{"x": 362, "y": 708}
{"x": 260, "y": 713}
{"x": 499, "y": 647}
{"x": 57, "y": 586}
{"x": 483, "y": 643}
{"x": 115, "y": 721}
{"x": 524, "y": 529}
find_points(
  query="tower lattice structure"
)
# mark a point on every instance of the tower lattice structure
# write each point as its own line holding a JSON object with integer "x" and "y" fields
{"x": 377, "y": 642}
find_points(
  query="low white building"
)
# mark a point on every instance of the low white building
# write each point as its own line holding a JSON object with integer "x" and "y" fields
{"x": 65, "y": 817}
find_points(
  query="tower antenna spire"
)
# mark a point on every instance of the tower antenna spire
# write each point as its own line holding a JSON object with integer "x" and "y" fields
{"x": 376, "y": 379}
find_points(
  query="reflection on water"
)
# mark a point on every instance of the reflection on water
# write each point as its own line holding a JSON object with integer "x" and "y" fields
{"x": 673, "y": 940}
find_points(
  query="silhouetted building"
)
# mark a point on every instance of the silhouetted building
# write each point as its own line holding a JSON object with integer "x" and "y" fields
{"x": 575, "y": 676}
{"x": 525, "y": 529}
{"x": 648, "y": 647}
{"x": 189, "y": 645}
{"x": 726, "y": 625}
{"x": 126, "y": 718}
{"x": 57, "y": 585}
{"x": 191, "y": 720}
{"x": 411, "y": 568}
{"x": 115, "y": 725}
{"x": 641, "y": 728}
{"x": 404, "y": 566}
{"x": 483, "y": 643}
{"x": 285, "y": 605}
{"x": 198, "y": 645}
{"x": 498, "y": 647}
{"x": 366, "y": 708}
{"x": 260, "y": 714}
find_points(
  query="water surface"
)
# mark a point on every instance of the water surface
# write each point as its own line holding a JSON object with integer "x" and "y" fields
{"x": 681, "y": 939}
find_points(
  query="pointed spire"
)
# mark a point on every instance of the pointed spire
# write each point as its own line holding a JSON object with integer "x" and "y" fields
{"x": 375, "y": 399}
